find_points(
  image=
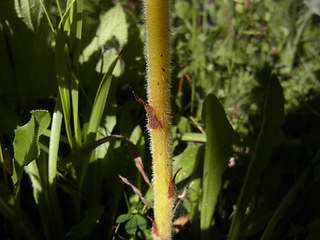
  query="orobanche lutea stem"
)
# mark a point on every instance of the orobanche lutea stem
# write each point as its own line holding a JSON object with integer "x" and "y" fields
{"x": 158, "y": 113}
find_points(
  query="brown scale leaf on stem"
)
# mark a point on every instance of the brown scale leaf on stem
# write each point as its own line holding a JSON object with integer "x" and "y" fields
{"x": 172, "y": 186}
{"x": 154, "y": 227}
{"x": 153, "y": 120}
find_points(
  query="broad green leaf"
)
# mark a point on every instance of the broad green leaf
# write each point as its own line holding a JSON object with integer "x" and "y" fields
{"x": 186, "y": 161}
{"x": 82, "y": 229}
{"x": 30, "y": 11}
{"x": 137, "y": 221}
{"x": 219, "y": 139}
{"x": 26, "y": 141}
{"x": 267, "y": 139}
{"x": 112, "y": 24}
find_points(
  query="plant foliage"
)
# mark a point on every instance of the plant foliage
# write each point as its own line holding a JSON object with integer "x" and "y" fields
{"x": 245, "y": 124}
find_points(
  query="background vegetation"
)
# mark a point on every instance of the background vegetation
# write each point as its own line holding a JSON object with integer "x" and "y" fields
{"x": 246, "y": 119}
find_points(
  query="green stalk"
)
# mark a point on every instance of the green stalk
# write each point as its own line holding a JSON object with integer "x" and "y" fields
{"x": 158, "y": 113}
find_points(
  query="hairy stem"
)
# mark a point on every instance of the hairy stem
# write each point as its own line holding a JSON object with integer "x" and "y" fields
{"x": 158, "y": 61}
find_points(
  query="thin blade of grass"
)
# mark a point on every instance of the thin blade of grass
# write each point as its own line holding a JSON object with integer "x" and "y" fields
{"x": 54, "y": 141}
{"x": 219, "y": 139}
{"x": 52, "y": 199}
{"x": 95, "y": 118}
{"x": 74, "y": 29}
{"x": 101, "y": 98}
{"x": 62, "y": 75}
{"x": 65, "y": 65}
{"x": 47, "y": 16}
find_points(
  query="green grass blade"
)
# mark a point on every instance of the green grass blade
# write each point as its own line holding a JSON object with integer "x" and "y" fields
{"x": 52, "y": 200}
{"x": 54, "y": 142}
{"x": 63, "y": 80}
{"x": 272, "y": 120}
{"x": 96, "y": 114}
{"x": 219, "y": 139}
{"x": 65, "y": 65}
{"x": 47, "y": 15}
{"x": 62, "y": 73}
{"x": 29, "y": 11}
{"x": 66, "y": 15}
{"x": 101, "y": 99}
{"x": 75, "y": 32}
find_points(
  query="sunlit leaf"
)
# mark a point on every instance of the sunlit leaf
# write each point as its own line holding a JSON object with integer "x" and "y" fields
{"x": 112, "y": 24}
{"x": 26, "y": 141}
{"x": 30, "y": 11}
{"x": 219, "y": 139}
{"x": 186, "y": 161}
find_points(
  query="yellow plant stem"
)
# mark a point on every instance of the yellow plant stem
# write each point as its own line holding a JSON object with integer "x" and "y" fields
{"x": 158, "y": 62}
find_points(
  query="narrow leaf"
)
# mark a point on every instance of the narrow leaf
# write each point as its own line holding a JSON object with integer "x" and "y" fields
{"x": 30, "y": 11}
{"x": 219, "y": 139}
{"x": 101, "y": 98}
{"x": 136, "y": 190}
